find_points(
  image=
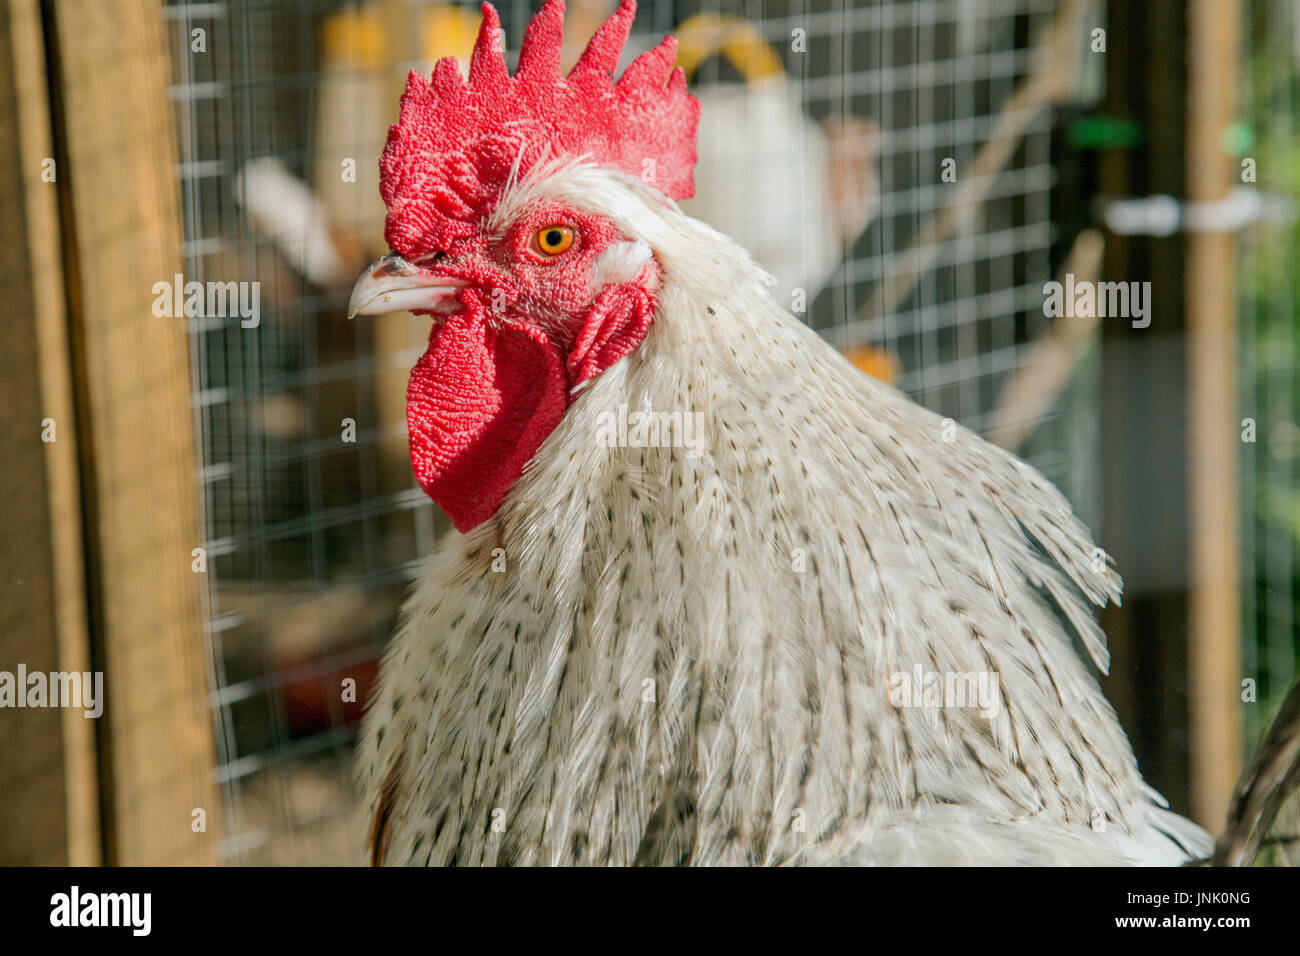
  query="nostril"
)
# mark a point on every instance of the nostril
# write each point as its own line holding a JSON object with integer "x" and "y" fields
{"x": 430, "y": 258}
{"x": 390, "y": 265}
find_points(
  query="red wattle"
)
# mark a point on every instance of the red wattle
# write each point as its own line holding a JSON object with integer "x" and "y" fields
{"x": 485, "y": 395}
{"x": 618, "y": 321}
{"x": 479, "y": 403}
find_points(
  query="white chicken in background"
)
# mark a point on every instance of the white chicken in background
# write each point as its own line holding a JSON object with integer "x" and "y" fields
{"x": 284, "y": 209}
{"x": 794, "y": 192}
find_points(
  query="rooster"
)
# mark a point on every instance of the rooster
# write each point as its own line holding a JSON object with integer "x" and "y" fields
{"x": 825, "y": 627}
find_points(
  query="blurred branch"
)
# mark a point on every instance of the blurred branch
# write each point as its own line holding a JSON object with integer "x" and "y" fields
{"x": 1050, "y": 362}
{"x": 1273, "y": 774}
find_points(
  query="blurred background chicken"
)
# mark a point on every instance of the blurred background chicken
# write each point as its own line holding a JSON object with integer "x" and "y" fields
{"x": 794, "y": 192}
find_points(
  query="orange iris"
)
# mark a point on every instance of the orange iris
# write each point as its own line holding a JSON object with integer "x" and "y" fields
{"x": 553, "y": 240}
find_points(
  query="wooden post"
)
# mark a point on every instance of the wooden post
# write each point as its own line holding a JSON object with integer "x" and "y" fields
{"x": 1214, "y": 655}
{"x": 120, "y": 228}
{"x": 1169, "y": 425}
{"x": 50, "y": 810}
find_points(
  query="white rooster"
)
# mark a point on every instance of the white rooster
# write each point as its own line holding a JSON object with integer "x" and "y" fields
{"x": 718, "y": 597}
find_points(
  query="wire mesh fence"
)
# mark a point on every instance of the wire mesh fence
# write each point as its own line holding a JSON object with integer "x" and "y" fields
{"x": 834, "y": 138}
{"x": 1270, "y": 393}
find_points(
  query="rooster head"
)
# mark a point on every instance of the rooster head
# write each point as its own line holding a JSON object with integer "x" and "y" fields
{"x": 531, "y": 295}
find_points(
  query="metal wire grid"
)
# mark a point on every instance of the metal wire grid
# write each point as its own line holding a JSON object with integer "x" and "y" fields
{"x": 1270, "y": 392}
{"x": 935, "y": 77}
{"x": 309, "y": 549}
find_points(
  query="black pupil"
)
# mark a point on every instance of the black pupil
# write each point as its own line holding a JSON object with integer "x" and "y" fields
{"x": 554, "y": 237}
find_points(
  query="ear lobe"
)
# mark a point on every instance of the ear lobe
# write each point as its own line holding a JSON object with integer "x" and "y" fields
{"x": 620, "y": 262}
{"x": 618, "y": 321}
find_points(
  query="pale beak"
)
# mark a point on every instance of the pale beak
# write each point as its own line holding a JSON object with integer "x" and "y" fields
{"x": 394, "y": 285}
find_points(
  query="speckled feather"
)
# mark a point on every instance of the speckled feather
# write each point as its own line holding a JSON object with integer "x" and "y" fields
{"x": 514, "y": 722}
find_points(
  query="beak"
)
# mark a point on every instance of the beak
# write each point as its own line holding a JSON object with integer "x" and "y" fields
{"x": 394, "y": 285}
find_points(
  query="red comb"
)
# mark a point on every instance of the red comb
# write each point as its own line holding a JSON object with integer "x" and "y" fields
{"x": 450, "y": 155}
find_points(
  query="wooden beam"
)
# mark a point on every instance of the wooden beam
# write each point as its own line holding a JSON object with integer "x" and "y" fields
{"x": 120, "y": 225}
{"x": 50, "y": 814}
{"x": 1214, "y": 655}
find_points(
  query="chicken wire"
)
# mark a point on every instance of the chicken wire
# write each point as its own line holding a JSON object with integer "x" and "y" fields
{"x": 1270, "y": 391}
{"x": 313, "y": 533}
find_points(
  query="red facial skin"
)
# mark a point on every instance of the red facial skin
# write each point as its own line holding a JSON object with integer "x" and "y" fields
{"x": 498, "y": 373}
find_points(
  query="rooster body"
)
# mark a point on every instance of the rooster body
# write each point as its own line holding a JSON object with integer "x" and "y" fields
{"x": 668, "y": 652}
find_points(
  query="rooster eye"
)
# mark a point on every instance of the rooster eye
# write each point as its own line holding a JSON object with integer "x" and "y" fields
{"x": 554, "y": 240}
